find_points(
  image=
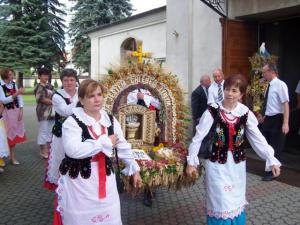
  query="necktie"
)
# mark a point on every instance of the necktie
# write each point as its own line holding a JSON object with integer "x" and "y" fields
{"x": 205, "y": 90}
{"x": 264, "y": 106}
{"x": 220, "y": 93}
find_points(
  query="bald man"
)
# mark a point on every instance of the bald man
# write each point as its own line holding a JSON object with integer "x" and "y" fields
{"x": 199, "y": 99}
{"x": 215, "y": 91}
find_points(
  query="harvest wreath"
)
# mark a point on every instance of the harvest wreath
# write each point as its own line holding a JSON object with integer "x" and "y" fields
{"x": 162, "y": 164}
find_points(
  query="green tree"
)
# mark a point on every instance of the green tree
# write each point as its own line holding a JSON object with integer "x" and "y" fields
{"x": 31, "y": 34}
{"x": 55, "y": 84}
{"x": 11, "y": 27}
{"x": 89, "y": 14}
{"x": 35, "y": 82}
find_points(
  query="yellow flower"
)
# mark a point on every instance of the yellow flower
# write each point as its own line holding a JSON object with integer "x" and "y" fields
{"x": 155, "y": 149}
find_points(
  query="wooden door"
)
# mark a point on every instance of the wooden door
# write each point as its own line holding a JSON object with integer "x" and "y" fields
{"x": 239, "y": 43}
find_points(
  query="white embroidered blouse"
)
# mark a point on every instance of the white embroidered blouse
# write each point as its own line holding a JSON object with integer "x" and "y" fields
{"x": 75, "y": 148}
{"x": 253, "y": 134}
{"x": 59, "y": 104}
{"x": 9, "y": 99}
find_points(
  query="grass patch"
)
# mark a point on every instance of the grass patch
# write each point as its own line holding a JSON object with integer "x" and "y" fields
{"x": 29, "y": 91}
{"x": 29, "y": 99}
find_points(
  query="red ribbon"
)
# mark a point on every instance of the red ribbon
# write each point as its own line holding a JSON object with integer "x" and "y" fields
{"x": 151, "y": 108}
{"x": 100, "y": 158}
{"x": 231, "y": 134}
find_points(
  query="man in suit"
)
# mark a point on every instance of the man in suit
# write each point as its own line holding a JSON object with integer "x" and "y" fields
{"x": 199, "y": 99}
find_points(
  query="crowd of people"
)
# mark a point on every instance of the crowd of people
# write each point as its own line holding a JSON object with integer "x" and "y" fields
{"x": 78, "y": 139}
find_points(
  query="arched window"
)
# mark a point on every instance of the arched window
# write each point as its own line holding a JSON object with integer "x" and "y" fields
{"x": 127, "y": 46}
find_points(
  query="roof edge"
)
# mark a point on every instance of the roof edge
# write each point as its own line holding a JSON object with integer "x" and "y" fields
{"x": 127, "y": 19}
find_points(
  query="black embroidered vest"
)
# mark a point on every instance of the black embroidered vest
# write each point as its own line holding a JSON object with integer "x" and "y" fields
{"x": 56, "y": 130}
{"x": 74, "y": 166}
{"x": 7, "y": 93}
{"x": 220, "y": 145}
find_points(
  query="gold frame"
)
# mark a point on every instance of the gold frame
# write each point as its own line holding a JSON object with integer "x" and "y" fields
{"x": 148, "y": 123}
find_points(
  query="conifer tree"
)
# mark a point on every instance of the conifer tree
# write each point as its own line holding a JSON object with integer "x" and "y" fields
{"x": 89, "y": 14}
{"x": 31, "y": 34}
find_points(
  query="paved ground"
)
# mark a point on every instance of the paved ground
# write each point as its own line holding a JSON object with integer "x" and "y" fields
{"x": 23, "y": 201}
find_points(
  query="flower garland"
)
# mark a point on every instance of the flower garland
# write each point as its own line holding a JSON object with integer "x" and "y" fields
{"x": 164, "y": 170}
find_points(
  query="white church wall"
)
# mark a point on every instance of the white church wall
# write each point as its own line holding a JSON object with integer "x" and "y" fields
{"x": 95, "y": 58}
{"x": 197, "y": 49}
{"x": 178, "y": 39}
{"x": 106, "y": 42}
{"x": 207, "y": 42}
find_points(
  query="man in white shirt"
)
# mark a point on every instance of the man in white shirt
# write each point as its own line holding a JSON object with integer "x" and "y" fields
{"x": 275, "y": 112}
{"x": 215, "y": 91}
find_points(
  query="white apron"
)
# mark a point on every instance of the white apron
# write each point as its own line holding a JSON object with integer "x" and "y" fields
{"x": 4, "y": 149}
{"x": 79, "y": 202}
{"x": 56, "y": 155}
{"x": 225, "y": 188}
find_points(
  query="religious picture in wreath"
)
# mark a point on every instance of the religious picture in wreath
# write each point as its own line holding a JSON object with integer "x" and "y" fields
{"x": 149, "y": 105}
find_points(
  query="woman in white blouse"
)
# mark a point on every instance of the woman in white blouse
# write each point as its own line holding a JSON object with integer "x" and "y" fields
{"x": 63, "y": 101}
{"x": 225, "y": 167}
{"x": 11, "y": 97}
{"x": 89, "y": 195}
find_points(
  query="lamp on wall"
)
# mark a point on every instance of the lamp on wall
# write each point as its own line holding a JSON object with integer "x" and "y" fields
{"x": 175, "y": 33}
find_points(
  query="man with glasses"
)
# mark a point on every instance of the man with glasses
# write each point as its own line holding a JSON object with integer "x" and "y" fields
{"x": 275, "y": 112}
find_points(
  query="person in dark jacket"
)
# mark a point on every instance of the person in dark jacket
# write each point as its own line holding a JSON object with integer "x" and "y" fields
{"x": 199, "y": 99}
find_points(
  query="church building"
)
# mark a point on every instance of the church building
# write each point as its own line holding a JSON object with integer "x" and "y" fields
{"x": 192, "y": 38}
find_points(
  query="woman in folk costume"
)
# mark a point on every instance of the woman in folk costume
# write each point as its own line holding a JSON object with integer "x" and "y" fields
{"x": 4, "y": 149}
{"x": 225, "y": 168}
{"x": 63, "y": 101}
{"x": 11, "y": 97}
{"x": 87, "y": 191}
{"x": 43, "y": 94}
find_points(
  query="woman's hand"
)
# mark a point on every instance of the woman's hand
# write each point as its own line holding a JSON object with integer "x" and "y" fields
{"x": 260, "y": 118}
{"x": 137, "y": 180}
{"x": 275, "y": 171}
{"x": 20, "y": 114}
{"x": 191, "y": 171}
{"x": 114, "y": 140}
{"x": 20, "y": 91}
